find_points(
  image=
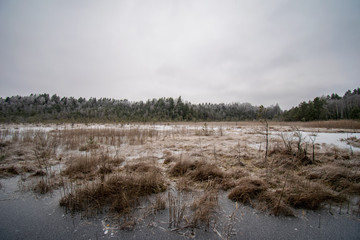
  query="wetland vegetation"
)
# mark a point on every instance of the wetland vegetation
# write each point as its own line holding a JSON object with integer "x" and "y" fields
{"x": 133, "y": 172}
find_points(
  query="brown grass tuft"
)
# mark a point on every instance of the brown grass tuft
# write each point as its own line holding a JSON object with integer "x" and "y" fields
{"x": 42, "y": 187}
{"x": 81, "y": 167}
{"x": 141, "y": 167}
{"x": 121, "y": 193}
{"x": 169, "y": 159}
{"x": 338, "y": 178}
{"x": 182, "y": 167}
{"x": 247, "y": 190}
{"x": 8, "y": 171}
{"x": 204, "y": 208}
{"x": 268, "y": 201}
{"x": 205, "y": 172}
{"x": 310, "y": 197}
{"x": 39, "y": 173}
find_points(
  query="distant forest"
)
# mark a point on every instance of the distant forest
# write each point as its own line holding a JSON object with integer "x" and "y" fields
{"x": 46, "y": 108}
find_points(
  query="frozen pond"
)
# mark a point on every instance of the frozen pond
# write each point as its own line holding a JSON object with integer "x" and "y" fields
{"x": 333, "y": 139}
{"x": 26, "y": 216}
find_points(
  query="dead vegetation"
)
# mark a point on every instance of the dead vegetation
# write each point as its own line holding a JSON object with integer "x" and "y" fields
{"x": 352, "y": 141}
{"x": 114, "y": 169}
{"x": 256, "y": 192}
{"x": 204, "y": 209}
{"x": 120, "y": 193}
{"x": 197, "y": 170}
{"x": 338, "y": 178}
{"x": 310, "y": 196}
{"x": 195, "y": 173}
{"x": 81, "y": 167}
{"x": 247, "y": 190}
{"x": 8, "y": 171}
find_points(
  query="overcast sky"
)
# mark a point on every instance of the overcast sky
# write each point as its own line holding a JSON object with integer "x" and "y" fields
{"x": 262, "y": 52}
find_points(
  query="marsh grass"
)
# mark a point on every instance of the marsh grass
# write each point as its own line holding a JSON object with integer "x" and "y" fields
{"x": 43, "y": 186}
{"x": 204, "y": 209}
{"x": 182, "y": 167}
{"x": 177, "y": 207}
{"x": 81, "y": 167}
{"x": 197, "y": 170}
{"x": 97, "y": 179}
{"x": 8, "y": 171}
{"x": 86, "y": 139}
{"x": 256, "y": 192}
{"x": 205, "y": 131}
{"x": 338, "y": 178}
{"x": 119, "y": 193}
{"x": 247, "y": 190}
{"x": 271, "y": 202}
{"x": 141, "y": 167}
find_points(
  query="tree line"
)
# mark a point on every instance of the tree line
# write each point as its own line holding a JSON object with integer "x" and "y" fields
{"x": 43, "y": 107}
{"x": 46, "y": 108}
{"x": 327, "y": 107}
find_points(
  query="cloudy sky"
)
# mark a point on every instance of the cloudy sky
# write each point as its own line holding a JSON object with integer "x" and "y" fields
{"x": 257, "y": 51}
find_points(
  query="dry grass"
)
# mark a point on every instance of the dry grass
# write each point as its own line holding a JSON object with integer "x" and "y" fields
{"x": 39, "y": 173}
{"x": 204, "y": 209}
{"x": 247, "y": 190}
{"x": 87, "y": 167}
{"x": 160, "y": 204}
{"x": 141, "y": 167}
{"x": 205, "y": 172}
{"x": 43, "y": 186}
{"x": 197, "y": 170}
{"x": 86, "y": 139}
{"x": 256, "y": 192}
{"x": 338, "y": 178}
{"x": 91, "y": 145}
{"x": 182, "y": 167}
{"x": 121, "y": 193}
{"x": 199, "y": 174}
{"x": 97, "y": 180}
{"x": 308, "y": 199}
{"x": 82, "y": 167}
{"x": 177, "y": 209}
{"x": 169, "y": 159}
{"x": 8, "y": 171}
{"x": 269, "y": 201}
{"x": 307, "y": 195}
{"x": 352, "y": 141}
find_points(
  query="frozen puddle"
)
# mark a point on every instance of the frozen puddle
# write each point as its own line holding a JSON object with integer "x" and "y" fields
{"x": 26, "y": 216}
{"x": 333, "y": 139}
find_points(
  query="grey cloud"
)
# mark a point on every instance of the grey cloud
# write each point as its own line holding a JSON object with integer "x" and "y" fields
{"x": 206, "y": 51}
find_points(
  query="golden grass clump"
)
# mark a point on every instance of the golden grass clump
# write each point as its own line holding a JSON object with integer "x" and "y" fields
{"x": 81, "y": 167}
{"x": 141, "y": 167}
{"x": 204, "y": 208}
{"x": 182, "y": 167}
{"x": 338, "y": 178}
{"x": 257, "y": 193}
{"x": 120, "y": 193}
{"x": 310, "y": 197}
{"x": 247, "y": 189}
{"x": 269, "y": 201}
{"x": 205, "y": 171}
